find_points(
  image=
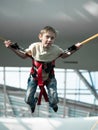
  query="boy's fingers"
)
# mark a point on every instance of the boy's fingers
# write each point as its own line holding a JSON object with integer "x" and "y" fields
{"x": 7, "y": 43}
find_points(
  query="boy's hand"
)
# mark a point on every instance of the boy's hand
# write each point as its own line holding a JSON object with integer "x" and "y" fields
{"x": 7, "y": 43}
{"x": 78, "y": 45}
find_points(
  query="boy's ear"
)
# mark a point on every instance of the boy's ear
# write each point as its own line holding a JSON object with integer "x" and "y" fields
{"x": 40, "y": 37}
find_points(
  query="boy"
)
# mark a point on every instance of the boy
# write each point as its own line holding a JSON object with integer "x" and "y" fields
{"x": 44, "y": 54}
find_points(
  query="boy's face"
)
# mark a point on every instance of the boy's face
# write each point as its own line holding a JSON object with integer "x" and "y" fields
{"x": 47, "y": 38}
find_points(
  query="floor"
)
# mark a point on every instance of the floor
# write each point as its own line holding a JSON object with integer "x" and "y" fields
{"x": 9, "y": 123}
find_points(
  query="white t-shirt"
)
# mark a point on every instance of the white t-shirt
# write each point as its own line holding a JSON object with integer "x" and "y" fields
{"x": 40, "y": 53}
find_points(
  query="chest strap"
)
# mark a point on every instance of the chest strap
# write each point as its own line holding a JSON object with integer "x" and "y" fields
{"x": 38, "y": 67}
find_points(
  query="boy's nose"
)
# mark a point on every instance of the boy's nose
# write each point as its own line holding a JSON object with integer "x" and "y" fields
{"x": 49, "y": 39}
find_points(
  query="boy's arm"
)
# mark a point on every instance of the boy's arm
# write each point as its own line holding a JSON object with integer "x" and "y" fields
{"x": 16, "y": 49}
{"x": 75, "y": 47}
{"x": 71, "y": 50}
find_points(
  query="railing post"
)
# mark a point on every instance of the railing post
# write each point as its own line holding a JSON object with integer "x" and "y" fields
{"x": 64, "y": 102}
{"x": 4, "y": 78}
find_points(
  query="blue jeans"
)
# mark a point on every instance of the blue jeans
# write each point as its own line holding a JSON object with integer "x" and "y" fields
{"x": 51, "y": 89}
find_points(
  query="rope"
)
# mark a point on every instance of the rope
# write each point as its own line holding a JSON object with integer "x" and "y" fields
{"x": 94, "y": 126}
{"x": 89, "y": 39}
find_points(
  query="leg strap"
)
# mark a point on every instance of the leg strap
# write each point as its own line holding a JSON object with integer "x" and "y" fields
{"x": 42, "y": 93}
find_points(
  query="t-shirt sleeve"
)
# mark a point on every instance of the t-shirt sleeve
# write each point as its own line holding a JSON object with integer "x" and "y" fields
{"x": 29, "y": 49}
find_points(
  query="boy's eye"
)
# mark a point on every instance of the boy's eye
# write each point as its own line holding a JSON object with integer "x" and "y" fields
{"x": 47, "y": 37}
{"x": 50, "y": 37}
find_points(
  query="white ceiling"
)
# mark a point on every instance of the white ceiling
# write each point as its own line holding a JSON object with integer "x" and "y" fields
{"x": 75, "y": 20}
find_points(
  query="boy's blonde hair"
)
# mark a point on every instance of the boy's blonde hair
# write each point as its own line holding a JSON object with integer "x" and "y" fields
{"x": 48, "y": 29}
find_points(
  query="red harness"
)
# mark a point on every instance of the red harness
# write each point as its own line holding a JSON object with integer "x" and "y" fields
{"x": 36, "y": 72}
